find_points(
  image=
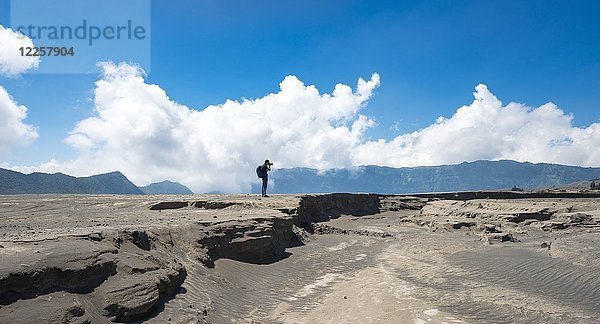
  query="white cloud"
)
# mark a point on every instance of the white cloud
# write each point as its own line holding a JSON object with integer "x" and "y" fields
{"x": 12, "y": 129}
{"x": 488, "y": 130}
{"x": 12, "y": 63}
{"x": 140, "y": 131}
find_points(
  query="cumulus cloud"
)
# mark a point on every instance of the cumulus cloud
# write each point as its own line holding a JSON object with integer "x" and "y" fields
{"x": 139, "y": 130}
{"x": 11, "y": 61}
{"x": 12, "y": 129}
{"x": 487, "y": 129}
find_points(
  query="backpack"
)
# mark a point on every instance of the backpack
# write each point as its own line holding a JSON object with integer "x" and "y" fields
{"x": 260, "y": 172}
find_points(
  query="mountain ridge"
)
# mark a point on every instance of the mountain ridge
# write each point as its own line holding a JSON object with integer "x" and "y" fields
{"x": 13, "y": 182}
{"x": 166, "y": 187}
{"x": 476, "y": 175}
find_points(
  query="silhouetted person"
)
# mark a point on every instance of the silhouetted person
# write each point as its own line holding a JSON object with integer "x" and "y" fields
{"x": 266, "y": 167}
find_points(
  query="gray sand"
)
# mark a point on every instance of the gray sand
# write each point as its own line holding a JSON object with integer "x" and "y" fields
{"x": 218, "y": 259}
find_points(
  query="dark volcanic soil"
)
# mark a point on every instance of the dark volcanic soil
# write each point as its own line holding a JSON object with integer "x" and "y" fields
{"x": 310, "y": 259}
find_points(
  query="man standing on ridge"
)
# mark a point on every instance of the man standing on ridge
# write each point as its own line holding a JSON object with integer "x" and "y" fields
{"x": 264, "y": 174}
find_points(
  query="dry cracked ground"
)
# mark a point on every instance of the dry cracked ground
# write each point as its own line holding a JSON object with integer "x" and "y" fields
{"x": 339, "y": 258}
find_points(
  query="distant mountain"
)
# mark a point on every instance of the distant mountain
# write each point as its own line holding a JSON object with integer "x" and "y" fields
{"x": 166, "y": 187}
{"x": 12, "y": 182}
{"x": 478, "y": 175}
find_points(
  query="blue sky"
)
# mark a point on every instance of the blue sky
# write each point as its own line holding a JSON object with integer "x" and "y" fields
{"x": 430, "y": 55}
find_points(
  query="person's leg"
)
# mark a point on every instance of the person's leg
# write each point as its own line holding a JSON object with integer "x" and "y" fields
{"x": 265, "y": 183}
